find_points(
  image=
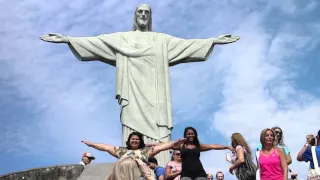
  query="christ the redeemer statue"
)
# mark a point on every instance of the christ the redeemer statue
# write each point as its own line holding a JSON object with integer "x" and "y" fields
{"x": 142, "y": 59}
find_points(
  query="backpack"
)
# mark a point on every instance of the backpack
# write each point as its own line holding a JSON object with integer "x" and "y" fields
{"x": 247, "y": 171}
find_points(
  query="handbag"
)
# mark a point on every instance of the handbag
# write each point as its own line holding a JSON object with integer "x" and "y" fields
{"x": 258, "y": 165}
{"x": 314, "y": 174}
{"x": 247, "y": 171}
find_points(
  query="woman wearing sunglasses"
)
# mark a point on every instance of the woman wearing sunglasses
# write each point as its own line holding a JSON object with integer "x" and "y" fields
{"x": 280, "y": 143}
{"x": 173, "y": 168}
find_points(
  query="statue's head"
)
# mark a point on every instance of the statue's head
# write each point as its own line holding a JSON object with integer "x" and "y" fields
{"x": 142, "y": 18}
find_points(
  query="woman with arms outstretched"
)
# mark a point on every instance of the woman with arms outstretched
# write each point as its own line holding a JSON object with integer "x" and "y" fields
{"x": 135, "y": 147}
{"x": 192, "y": 168}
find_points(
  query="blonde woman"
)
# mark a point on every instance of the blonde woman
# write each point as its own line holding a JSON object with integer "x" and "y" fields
{"x": 129, "y": 168}
{"x": 173, "y": 168}
{"x": 280, "y": 143}
{"x": 271, "y": 159}
{"x": 241, "y": 162}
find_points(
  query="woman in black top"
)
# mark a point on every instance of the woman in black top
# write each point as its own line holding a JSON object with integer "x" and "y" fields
{"x": 192, "y": 168}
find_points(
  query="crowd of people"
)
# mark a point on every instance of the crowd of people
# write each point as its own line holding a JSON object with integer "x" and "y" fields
{"x": 270, "y": 160}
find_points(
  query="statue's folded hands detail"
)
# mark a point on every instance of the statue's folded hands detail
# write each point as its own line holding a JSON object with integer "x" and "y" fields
{"x": 142, "y": 59}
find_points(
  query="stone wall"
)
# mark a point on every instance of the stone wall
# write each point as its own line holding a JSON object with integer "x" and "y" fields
{"x": 59, "y": 172}
{"x": 96, "y": 171}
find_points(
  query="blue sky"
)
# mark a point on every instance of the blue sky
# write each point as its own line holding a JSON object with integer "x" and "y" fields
{"x": 50, "y": 101}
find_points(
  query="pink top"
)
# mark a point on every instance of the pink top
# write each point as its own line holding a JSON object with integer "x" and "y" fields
{"x": 174, "y": 167}
{"x": 270, "y": 166}
{"x": 234, "y": 154}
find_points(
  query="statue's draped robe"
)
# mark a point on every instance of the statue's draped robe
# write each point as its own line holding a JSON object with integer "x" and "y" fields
{"x": 142, "y": 60}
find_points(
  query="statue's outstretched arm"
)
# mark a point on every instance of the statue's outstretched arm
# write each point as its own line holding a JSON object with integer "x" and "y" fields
{"x": 54, "y": 38}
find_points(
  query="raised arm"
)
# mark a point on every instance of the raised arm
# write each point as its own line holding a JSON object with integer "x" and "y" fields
{"x": 305, "y": 147}
{"x": 208, "y": 147}
{"x": 102, "y": 147}
{"x": 165, "y": 146}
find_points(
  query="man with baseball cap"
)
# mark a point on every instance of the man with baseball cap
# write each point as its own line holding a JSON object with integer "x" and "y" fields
{"x": 86, "y": 158}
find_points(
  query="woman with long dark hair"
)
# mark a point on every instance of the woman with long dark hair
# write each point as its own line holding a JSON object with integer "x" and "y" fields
{"x": 136, "y": 147}
{"x": 192, "y": 168}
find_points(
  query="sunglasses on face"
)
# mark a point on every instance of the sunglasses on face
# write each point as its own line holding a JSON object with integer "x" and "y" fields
{"x": 277, "y": 132}
{"x": 178, "y": 154}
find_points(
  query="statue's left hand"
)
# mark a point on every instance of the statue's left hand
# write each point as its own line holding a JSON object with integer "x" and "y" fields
{"x": 226, "y": 39}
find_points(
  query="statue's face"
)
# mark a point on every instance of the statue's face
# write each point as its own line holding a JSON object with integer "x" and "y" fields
{"x": 143, "y": 16}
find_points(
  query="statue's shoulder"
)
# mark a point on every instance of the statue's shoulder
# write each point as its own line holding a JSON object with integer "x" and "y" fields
{"x": 127, "y": 35}
{"x": 113, "y": 34}
{"x": 162, "y": 35}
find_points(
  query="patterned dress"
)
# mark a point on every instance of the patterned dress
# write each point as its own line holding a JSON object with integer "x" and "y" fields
{"x": 142, "y": 154}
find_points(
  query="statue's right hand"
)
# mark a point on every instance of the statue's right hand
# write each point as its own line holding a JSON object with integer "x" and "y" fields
{"x": 54, "y": 38}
